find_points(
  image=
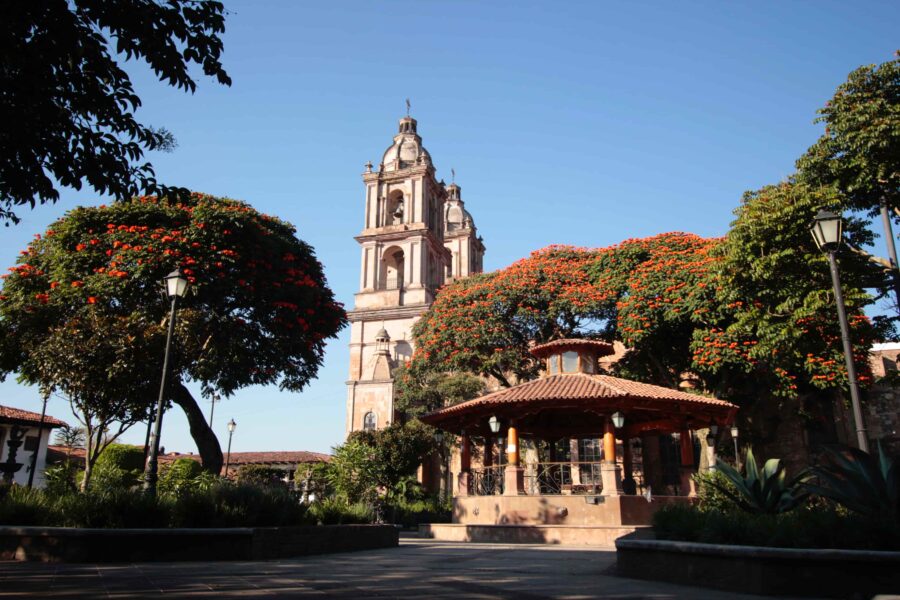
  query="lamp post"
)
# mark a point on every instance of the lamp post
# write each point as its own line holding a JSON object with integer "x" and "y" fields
{"x": 231, "y": 426}
{"x": 212, "y": 406}
{"x": 737, "y": 454}
{"x": 443, "y": 487}
{"x": 176, "y": 287}
{"x": 826, "y": 231}
{"x": 34, "y": 455}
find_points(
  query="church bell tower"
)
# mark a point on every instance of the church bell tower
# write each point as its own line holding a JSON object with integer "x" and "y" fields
{"x": 404, "y": 260}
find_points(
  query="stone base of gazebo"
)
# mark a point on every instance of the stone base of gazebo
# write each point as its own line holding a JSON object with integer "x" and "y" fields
{"x": 564, "y": 535}
{"x": 574, "y": 520}
{"x": 569, "y": 510}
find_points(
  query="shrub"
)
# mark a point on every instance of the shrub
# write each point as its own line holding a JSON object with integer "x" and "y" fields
{"x": 221, "y": 505}
{"x": 411, "y": 513}
{"x": 864, "y": 483}
{"x": 765, "y": 491}
{"x": 226, "y": 504}
{"x": 61, "y": 479}
{"x": 119, "y": 467}
{"x": 709, "y": 491}
{"x": 261, "y": 475}
{"x": 336, "y": 511}
{"x": 122, "y": 456}
{"x": 803, "y": 528}
{"x": 22, "y": 506}
{"x": 112, "y": 509}
{"x": 314, "y": 479}
{"x": 179, "y": 477}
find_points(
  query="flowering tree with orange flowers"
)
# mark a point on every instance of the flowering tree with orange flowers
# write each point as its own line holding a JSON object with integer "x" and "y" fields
{"x": 259, "y": 311}
{"x": 724, "y": 314}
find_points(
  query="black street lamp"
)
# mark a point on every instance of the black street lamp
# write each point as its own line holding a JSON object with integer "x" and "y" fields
{"x": 826, "y": 230}
{"x": 737, "y": 453}
{"x": 176, "y": 287}
{"x": 212, "y": 406}
{"x": 231, "y": 426}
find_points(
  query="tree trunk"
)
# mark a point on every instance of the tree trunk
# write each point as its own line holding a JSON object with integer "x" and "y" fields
{"x": 90, "y": 456}
{"x": 207, "y": 443}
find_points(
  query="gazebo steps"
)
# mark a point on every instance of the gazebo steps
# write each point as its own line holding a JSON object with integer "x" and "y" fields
{"x": 565, "y": 535}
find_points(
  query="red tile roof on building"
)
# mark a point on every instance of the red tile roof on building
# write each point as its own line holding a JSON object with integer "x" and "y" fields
{"x": 58, "y": 454}
{"x": 557, "y": 346}
{"x": 581, "y": 386}
{"x": 261, "y": 458}
{"x": 7, "y": 413}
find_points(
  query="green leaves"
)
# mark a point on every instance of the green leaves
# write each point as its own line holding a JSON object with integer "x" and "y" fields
{"x": 859, "y": 154}
{"x": 69, "y": 110}
{"x": 765, "y": 491}
{"x": 82, "y": 311}
{"x": 417, "y": 392}
{"x": 864, "y": 483}
{"x": 370, "y": 461}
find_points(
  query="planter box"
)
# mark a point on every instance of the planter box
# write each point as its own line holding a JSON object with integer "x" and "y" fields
{"x": 759, "y": 570}
{"x": 62, "y": 544}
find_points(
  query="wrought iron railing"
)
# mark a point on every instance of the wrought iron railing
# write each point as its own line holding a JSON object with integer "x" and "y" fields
{"x": 486, "y": 481}
{"x": 551, "y": 478}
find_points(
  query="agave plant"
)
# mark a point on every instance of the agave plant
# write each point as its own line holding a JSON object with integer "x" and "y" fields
{"x": 766, "y": 491}
{"x": 864, "y": 483}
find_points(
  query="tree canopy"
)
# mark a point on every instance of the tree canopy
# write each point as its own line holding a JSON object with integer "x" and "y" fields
{"x": 82, "y": 310}
{"x": 684, "y": 306}
{"x": 69, "y": 108}
{"x": 370, "y": 462}
{"x": 418, "y": 393}
{"x": 859, "y": 153}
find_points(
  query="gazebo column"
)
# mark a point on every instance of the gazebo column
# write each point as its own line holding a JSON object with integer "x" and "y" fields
{"x": 610, "y": 471}
{"x": 513, "y": 474}
{"x": 465, "y": 467}
{"x": 628, "y": 484}
{"x": 687, "y": 463}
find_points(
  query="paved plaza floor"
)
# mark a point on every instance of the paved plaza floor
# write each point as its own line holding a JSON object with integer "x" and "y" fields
{"x": 417, "y": 569}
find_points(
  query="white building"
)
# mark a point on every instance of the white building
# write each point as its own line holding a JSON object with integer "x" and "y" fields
{"x": 22, "y": 439}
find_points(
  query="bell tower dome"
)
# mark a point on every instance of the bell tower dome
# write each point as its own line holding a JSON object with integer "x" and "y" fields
{"x": 403, "y": 263}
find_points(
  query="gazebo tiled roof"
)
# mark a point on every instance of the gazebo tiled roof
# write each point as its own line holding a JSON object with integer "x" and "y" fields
{"x": 580, "y": 402}
{"x": 581, "y": 386}
{"x": 597, "y": 347}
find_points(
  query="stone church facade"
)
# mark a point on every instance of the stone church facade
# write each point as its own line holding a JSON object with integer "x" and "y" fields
{"x": 417, "y": 235}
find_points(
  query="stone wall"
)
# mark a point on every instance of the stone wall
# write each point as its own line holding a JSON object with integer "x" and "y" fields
{"x": 62, "y": 544}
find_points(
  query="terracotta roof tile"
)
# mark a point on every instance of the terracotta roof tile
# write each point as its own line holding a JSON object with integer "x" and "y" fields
{"x": 556, "y": 346}
{"x": 58, "y": 454}
{"x": 26, "y": 416}
{"x": 260, "y": 458}
{"x": 581, "y": 386}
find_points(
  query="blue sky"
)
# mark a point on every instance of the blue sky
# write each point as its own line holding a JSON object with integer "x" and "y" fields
{"x": 579, "y": 123}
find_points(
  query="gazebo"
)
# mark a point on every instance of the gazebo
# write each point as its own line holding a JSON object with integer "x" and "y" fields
{"x": 582, "y": 425}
